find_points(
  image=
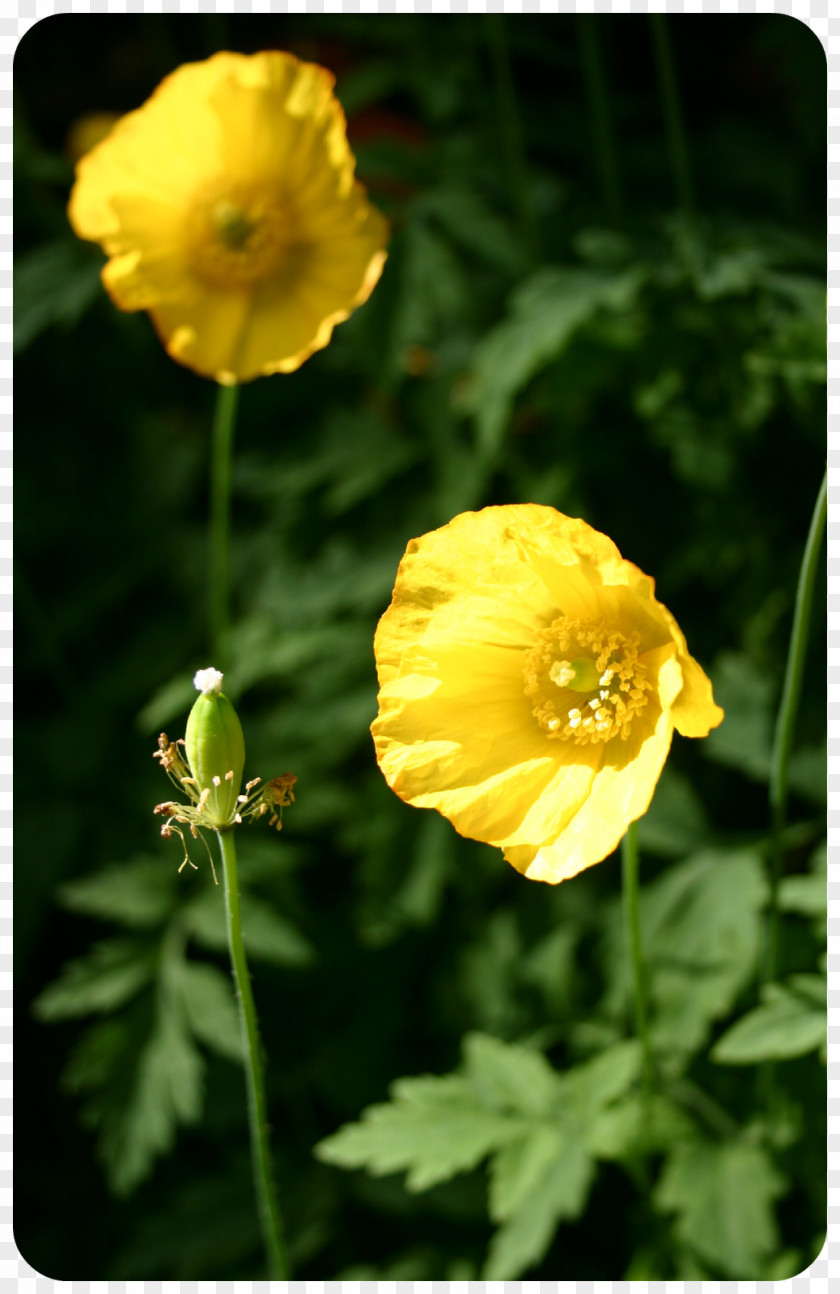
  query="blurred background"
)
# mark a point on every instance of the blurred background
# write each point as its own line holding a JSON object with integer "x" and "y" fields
{"x": 605, "y": 292}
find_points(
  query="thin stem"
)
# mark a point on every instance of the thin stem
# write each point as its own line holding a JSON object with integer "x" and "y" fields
{"x": 672, "y": 111}
{"x": 224, "y": 422}
{"x": 630, "y": 883}
{"x": 599, "y": 107}
{"x": 267, "y": 1206}
{"x": 786, "y": 720}
{"x": 510, "y": 127}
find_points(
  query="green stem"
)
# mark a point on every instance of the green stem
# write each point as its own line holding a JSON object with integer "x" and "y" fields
{"x": 224, "y": 422}
{"x": 630, "y": 884}
{"x": 267, "y": 1206}
{"x": 786, "y": 720}
{"x": 510, "y": 128}
{"x": 599, "y": 107}
{"x": 672, "y": 111}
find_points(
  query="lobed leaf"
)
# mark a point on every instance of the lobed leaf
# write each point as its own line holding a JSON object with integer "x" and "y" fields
{"x": 432, "y": 1129}
{"x": 267, "y": 936}
{"x": 791, "y": 1021}
{"x": 723, "y": 1193}
{"x": 140, "y": 893}
{"x": 209, "y": 1006}
{"x": 110, "y": 974}
{"x": 560, "y": 1193}
{"x": 546, "y": 311}
{"x": 167, "y": 1090}
{"x": 506, "y": 1076}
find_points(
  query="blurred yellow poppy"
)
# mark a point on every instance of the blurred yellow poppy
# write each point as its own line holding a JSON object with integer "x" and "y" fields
{"x": 530, "y": 684}
{"x": 229, "y": 210}
{"x": 88, "y": 131}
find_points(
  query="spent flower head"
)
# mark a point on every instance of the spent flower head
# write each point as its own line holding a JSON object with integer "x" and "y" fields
{"x": 207, "y": 766}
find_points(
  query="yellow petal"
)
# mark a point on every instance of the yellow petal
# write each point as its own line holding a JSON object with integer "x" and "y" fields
{"x": 232, "y": 191}
{"x": 621, "y": 792}
{"x": 694, "y": 711}
{"x": 476, "y": 720}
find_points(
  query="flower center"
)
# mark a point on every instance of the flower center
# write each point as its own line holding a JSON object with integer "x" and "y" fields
{"x": 236, "y": 237}
{"x": 584, "y": 680}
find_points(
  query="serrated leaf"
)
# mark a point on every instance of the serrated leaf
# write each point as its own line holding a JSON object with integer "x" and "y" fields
{"x": 170, "y": 702}
{"x": 807, "y": 895}
{"x": 744, "y": 741}
{"x": 560, "y": 1193}
{"x": 139, "y": 893}
{"x": 167, "y": 1090}
{"x": 594, "y": 1083}
{"x": 675, "y": 822}
{"x": 701, "y": 927}
{"x": 791, "y": 1021}
{"x": 54, "y": 283}
{"x": 546, "y": 311}
{"x": 99, "y": 1054}
{"x": 470, "y": 221}
{"x": 210, "y": 1008}
{"x": 510, "y": 1077}
{"x": 517, "y": 1168}
{"x": 634, "y": 1123}
{"x": 431, "y": 1129}
{"x": 267, "y": 936}
{"x": 723, "y": 1196}
{"x": 111, "y": 973}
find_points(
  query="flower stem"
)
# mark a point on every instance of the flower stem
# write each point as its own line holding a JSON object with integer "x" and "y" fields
{"x": 510, "y": 126}
{"x": 630, "y": 885}
{"x": 599, "y": 107}
{"x": 267, "y": 1206}
{"x": 672, "y": 111}
{"x": 224, "y": 422}
{"x": 786, "y": 720}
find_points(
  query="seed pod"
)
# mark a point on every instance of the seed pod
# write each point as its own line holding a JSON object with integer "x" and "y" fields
{"x": 215, "y": 748}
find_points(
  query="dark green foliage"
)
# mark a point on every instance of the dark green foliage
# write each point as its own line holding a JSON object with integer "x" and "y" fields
{"x": 427, "y": 1014}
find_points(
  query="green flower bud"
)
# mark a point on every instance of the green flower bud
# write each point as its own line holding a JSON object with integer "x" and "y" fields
{"x": 215, "y": 750}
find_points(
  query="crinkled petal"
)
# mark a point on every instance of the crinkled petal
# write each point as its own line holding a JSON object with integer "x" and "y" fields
{"x": 204, "y": 330}
{"x": 694, "y": 711}
{"x": 432, "y": 745}
{"x": 264, "y": 134}
{"x": 621, "y": 792}
{"x": 293, "y": 313}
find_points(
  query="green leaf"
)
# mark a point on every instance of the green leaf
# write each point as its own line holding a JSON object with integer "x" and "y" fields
{"x": 54, "y": 283}
{"x": 622, "y": 1129}
{"x": 110, "y": 974}
{"x": 807, "y": 895}
{"x": 167, "y": 1090}
{"x": 675, "y": 823}
{"x": 723, "y": 1196}
{"x": 701, "y": 926}
{"x": 517, "y": 1168}
{"x": 594, "y": 1083}
{"x": 510, "y": 1077}
{"x": 744, "y": 740}
{"x": 546, "y": 311}
{"x": 466, "y": 217}
{"x": 267, "y": 936}
{"x": 431, "y": 1129}
{"x": 560, "y": 1193}
{"x": 170, "y": 703}
{"x": 791, "y": 1021}
{"x": 210, "y": 1008}
{"x": 140, "y": 893}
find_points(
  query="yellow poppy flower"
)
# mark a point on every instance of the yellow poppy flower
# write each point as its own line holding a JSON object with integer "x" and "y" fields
{"x": 229, "y": 210}
{"x": 530, "y": 684}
